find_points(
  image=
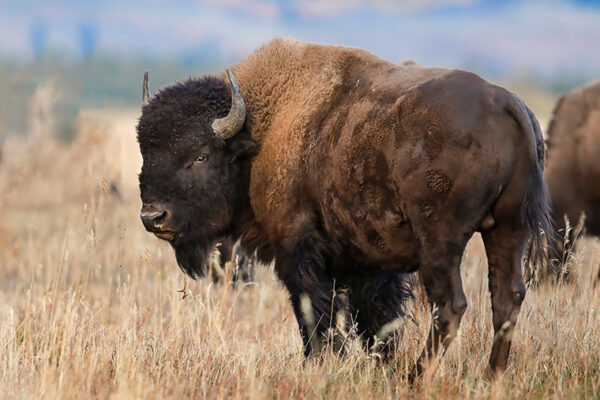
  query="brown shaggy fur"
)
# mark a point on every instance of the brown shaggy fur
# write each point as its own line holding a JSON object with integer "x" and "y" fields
{"x": 398, "y": 164}
{"x": 294, "y": 91}
{"x": 310, "y": 106}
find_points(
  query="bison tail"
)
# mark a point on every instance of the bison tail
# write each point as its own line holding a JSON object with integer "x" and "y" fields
{"x": 542, "y": 254}
{"x": 542, "y": 251}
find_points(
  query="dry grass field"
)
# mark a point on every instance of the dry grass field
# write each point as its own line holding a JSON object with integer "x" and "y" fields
{"x": 91, "y": 306}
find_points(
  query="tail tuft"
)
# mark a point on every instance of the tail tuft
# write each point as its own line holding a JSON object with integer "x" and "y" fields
{"x": 542, "y": 256}
{"x": 541, "y": 260}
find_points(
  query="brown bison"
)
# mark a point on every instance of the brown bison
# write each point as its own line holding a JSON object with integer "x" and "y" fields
{"x": 347, "y": 170}
{"x": 573, "y": 167}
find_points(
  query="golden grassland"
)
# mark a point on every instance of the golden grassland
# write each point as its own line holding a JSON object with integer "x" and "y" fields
{"x": 91, "y": 306}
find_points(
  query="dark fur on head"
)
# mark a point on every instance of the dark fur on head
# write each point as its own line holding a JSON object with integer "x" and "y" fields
{"x": 202, "y": 198}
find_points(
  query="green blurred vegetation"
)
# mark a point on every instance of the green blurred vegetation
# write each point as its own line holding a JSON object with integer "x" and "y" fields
{"x": 72, "y": 84}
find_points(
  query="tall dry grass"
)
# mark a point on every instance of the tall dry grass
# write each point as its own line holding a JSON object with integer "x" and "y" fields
{"x": 91, "y": 306}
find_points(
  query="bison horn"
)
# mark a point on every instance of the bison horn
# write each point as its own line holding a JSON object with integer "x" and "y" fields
{"x": 229, "y": 126}
{"x": 145, "y": 91}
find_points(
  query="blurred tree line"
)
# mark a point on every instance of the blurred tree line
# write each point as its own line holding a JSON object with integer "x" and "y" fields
{"x": 73, "y": 83}
{"x": 70, "y": 83}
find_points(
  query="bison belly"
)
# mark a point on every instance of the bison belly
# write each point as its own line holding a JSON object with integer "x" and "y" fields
{"x": 370, "y": 233}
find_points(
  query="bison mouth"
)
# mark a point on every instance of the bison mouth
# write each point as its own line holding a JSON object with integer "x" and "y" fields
{"x": 160, "y": 232}
{"x": 191, "y": 256}
{"x": 169, "y": 236}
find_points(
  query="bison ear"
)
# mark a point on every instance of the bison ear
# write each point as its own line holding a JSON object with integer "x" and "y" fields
{"x": 241, "y": 147}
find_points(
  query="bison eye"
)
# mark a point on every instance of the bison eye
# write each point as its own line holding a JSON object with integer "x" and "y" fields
{"x": 200, "y": 159}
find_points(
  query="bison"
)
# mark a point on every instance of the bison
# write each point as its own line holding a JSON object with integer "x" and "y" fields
{"x": 349, "y": 170}
{"x": 573, "y": 167}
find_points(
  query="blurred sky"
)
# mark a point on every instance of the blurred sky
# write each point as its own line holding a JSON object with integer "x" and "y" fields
{"x": 505, "y": 37}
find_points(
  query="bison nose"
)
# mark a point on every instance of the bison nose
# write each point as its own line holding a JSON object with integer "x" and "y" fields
{"x": 152, "y": 216}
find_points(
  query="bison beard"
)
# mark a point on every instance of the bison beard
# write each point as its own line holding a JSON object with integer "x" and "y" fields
{"x": 349, "y": 170}
{"x": 191, "y": 256}
{"x": 198, "y": 261}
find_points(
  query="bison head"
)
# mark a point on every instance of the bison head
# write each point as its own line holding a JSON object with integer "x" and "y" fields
{"x": 194, "y": 176}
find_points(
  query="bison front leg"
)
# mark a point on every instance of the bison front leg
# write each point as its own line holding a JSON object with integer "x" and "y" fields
{"x": 504, "y": 248}
{"x": 440, "y": 274}
{"x": 377, "y": 304}
{"x": 319, "y": 309}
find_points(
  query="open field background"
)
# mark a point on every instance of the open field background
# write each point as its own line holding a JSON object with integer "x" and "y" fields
{"x": 91, "y": 306}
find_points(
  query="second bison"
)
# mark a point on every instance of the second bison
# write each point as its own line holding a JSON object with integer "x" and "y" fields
{"x": 347, "y": 170}
{"x": 573, "y": 170}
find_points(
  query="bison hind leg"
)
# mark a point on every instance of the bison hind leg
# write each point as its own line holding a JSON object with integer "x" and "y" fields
{"x": 504, "y": 247}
